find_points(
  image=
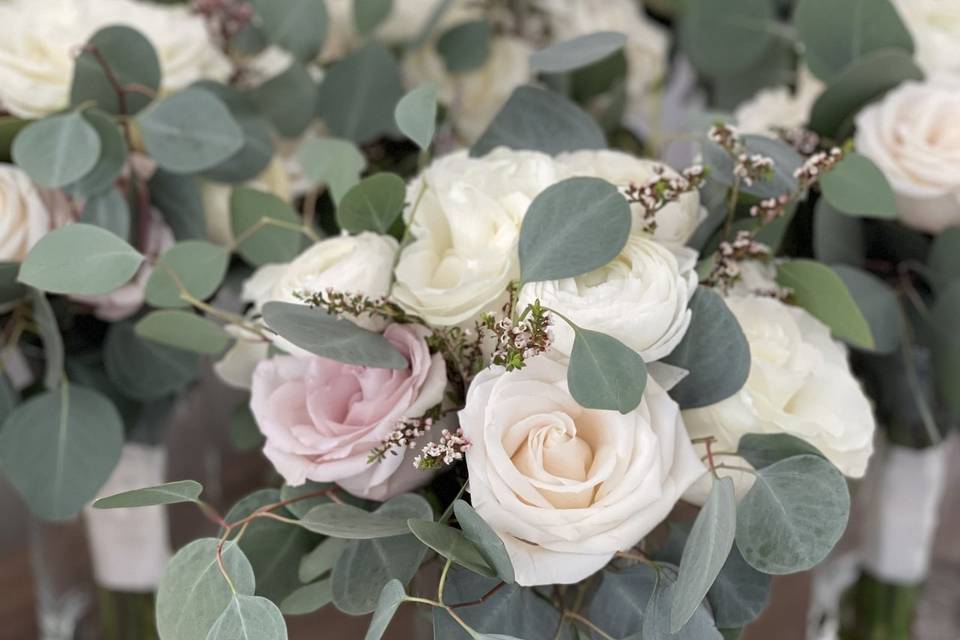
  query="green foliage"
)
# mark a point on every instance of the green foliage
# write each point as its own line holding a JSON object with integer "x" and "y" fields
{"x": 109, "y": 211}
{"x": 946, "y": 346}
{"x": 195, "y": 266}
{"x": 299, "y": 26}
{"x": 126, "y": 55}
{"x": 349, "y": 522}
{"x": 249, "y": 618}
{"x": 578, "y": 52}
{"x": 416, "y": 114}
{"x": 657, "y": 615}
{"x": 943, "y": 261}
{"x": 304, "y": 504}
{"x": 332, "y": 162}
{"x": 143, "y": 369}
{"x": 539, "y": 120}
{"x": 391, "y": 596}
{"x": 764, "y": 449}
{"x": 321, "y": 559}
{"x": 266, "y": 227}
{"x": 338, "y": 339}
{"x": 178, "y": 198}
{"x": 169, "y": 493}
{"x": 451, "y": 544}
{"x": 878, "y": 303}
{"x": 466, "y": 46}
{"x": 620, "y": 600}
{"x": 53, "y": 352}
{"x": 837, "y": 237}
{"x": 10, "y": 289}
{"x": 724, "y": 38}
{"x": 59, "y": 447}
{"x": 369, "y": 14}
{"x": 257, "y": 150}
{"x": 183, "y": 330}
{"x": 9, "y": 398}
{"x": 856, "y": 186}
{"x": 57, "y": 150}
{"x": 373, "y": 204}
{"x": 288, "y": 100}
{"x": 604, "y": 373}
{"x": 477, "y": 531}
{"x": 785, "y": 162}
{"x": 113, "y": 155}
{"x": 79, "y": 259}
{"x": 308, "y": 598}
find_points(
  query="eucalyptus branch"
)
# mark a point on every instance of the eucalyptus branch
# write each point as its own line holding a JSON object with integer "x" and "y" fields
{"x": 265, "y": 221}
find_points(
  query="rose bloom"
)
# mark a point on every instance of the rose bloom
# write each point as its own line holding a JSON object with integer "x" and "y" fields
{"x": 24, "y": 213}
{"x": 935, "y": 27}
{"x": 800, "y": 384}
{"x": 565, "y": 487}
{"x": 779, "y": 107}
{"x": 216, "y": 199}
{"x": 465, "y": 231}
{"x": 676, "y": 222}
{"x": 913, "y": 135}
{"x": 322, "y": 418}
{"x": 39, "y": 42}
{"x": 640, "y": 298}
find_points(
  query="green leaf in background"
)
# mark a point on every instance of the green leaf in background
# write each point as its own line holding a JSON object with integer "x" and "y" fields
{"x": 714, "y": 351}
{"x": 837, "y": 237}
{"x": 834, "y": 35}
{"x": 571, "y": 228}
{"x": 302, "y": 504}
{"x": 359, "y": 93}
{"x": 196, "y": 266}
{"x": 656, "y": 616}
{"x": 819, "y": 290}
{"x": 249, "y": 618}
{"x": 477, "y": 531}
{"x": 288, "y": 100}
{"x": 619, "y": 602}
{"x": 333, "y": 162}
{"x": 604, "y": 373}
{"x": 57, "y": 150}
{"x": 335, "y": 338}
{"x": 945, "y": 346}
{"x": 369, "y": 14}
{"x": 10, "y": 289}
{"x": 877, "y": 302}
{"x": 857, "y": 85}
{"x": 793, "y": 515}
{"x": 113, "y": 155}
{"x": 785, "y": 161}
{"x": 79, "y": 259}
{"x": 451, "y": 544}
{"x": 131, "y": 60}
{"x": 9, "y": 398}
{"x": 308, "y": 598}
{"x": 178, "y": 198}
{"x": 349, "y": 522}
{"x": 266, "y": 226}
{"x": 416, "y": 114}
{"x": 740, "y": 593}
{"x": 299, "y": 26}
{"x": 169, "y": 493}
{"x": 723, "y": 38}
{"x": 145, "y": 370}
{"x": 705, "y": 553}
{"x": 49, "y": 330}
{"x": 108, "y": 210}
{"x": 373, "y": 204}
{"x": 190, "y": 131}
{"x": 943, "y": 261}
{"x": 764, "y": 449}
{"x": 539, "y": 120}
{"x": 245, "y": 435}
{"x": 577, "y": 52}
{"x": 183, "y": 330}
{"x": 856, "y": 186}
{"x": 321, "y": 559}
{"x": 193, "y": 593}
{"x": 466, "y": 46}
{"x": 59, "y": 447}
{"x": 257, "y": 150}
{"x": 391, "y": 596}
{"x": 10, "y": 126}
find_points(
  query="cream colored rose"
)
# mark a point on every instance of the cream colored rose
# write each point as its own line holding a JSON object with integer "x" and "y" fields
{"x": 779, "y": 107}
{"x": 935, "y": 27}
{"x": 465, "y": 225}
{"x": 565, "y": 487}
{"x": 913, "y": 135}
{"x": 676, "y": 222}
{"x": 800, "y": 384}
{"x": 24, "y": 216}
{"x": 216, "y": 199}
{"x": 39, "y": 40}
{"x": 640, "y": 298}
{"x": 474, "y": 97}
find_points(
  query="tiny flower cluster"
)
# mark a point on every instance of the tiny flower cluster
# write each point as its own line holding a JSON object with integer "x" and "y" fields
{"x": 725, "y": 136}
{"x": 225, "y": 18}
{"x": 726, "y": 269}
{"x": 342, "y": 303}
{"x": 749, "y": 167}
{"x": 771, "y": 208}
{"x": 817, "y": 165}
{"x": 405, "y": 435}
{"x": 801, "y": 139}
{"x": 516, "y": 342}
{"x": 660, "y": 190}
{"x": 449, "y": 449}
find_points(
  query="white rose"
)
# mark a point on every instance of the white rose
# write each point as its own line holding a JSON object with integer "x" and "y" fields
{"x": 779, "y": 107}
{"x": 676, "y": 222}
{"x": 913, "y": 135}
{"x": 465, "y": 226}
{"x": 24, "y": 216}
{"x": 39, "y": 42}
{"x": 474, "y": 97}
{"x": 935, "y": 27}
{"x": 216, "y": 199}
{"x": 565, "y": 487}
{"x": 800, "y": 384}
{"x": 640, "y": 298}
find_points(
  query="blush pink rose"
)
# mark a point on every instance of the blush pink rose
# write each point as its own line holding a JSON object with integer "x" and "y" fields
{"x": 322, "y": 418}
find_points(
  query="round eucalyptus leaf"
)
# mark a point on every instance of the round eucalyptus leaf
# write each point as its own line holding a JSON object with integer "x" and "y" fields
{"x": 373, "y": 204}
{"x": 255, "y": 155}
{"x": 466, "y": 46}
{"x": 169, "y": 493}
{"x": 299, "y": 26}
{"x": 740, "y": 593}
{"x": 369, "y": 14}
{"x": 604, "y": 373}
{"x": 837, "y": 237}
{"x": 878, "y": 303}
{"x": 145, "y": 370}
{"x": 723, "y": 38}
{"x": 656, "y": 616}
{"x": 249, "y": 618}
{"x": 333, "y": 162}
{"x": 619, "y": 602}
{"x": 196, "y": 267}
{"x": 49, "y": 330}
{"x": 764, "y": 449}
{"x": 113, "y": 155}
{"x": 391, "y": 596}
{"x": 451, "y": 544}
{"x": 178, "y": 199}
{"x": 308, "y": 598}
{"x": 130, "y": 60}
{"x": 108, "y": 210}
{"x": 288, "y": 100}
{"x": 267, "y": 227}
{"x": 183, "y": 330}
{"x": 57, "y": 150}
{"x": 321, "y": 559}
{"x": 857, "y": 187}
{"x": 416, "y": 114}
{"x": 577, "y": 52}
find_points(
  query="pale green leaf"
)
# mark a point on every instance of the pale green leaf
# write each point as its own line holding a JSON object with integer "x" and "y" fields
{"x": 131, "y": 60}
{"x": 169, "y": 493}
{"x": 333, "y": 162}
{"x": 578, "y": 52}
{"x": 390, "y": 599}
{"x": 299, "y": 26}
{"x": 416, "y": 114}
{"x": 307, "y": 599}
{"x": 196, "y": 267}
{"x": 266, "y": 226}
{"x": 373, "y": 204}
{"x": 604, "y": 373}
{"x": 57, "y": 150}
{"x": 450, "y": 543}
{"x": 183, "y": 330}
{"x": 476, "y": 530}
{"x": 857, "y": 187}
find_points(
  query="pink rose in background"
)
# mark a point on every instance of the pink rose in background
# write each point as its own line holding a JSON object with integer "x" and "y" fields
{"x": 322, "y": 418}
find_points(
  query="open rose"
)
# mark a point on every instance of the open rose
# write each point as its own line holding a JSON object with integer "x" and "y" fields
{"x": 322, "y": 418}
{"x": 567, "y": 487}
{"x": 935, "y": 27}
{"x": 24, "y": 213}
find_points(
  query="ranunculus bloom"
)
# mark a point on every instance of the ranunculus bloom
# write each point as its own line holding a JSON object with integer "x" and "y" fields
{"x": 567, "y": 487}
{"x": 913, "y": 135}
{"x": 322, "y": 418}
{"x": 24, "y": 215}
{"x": 800, "y": 384}
{"x": 640, "y": 298}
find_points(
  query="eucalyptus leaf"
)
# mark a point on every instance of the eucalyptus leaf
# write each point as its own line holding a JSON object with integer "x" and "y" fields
{"x": 288, "y": 100}
{"x": 130, "y": 59}
{"x": 194, "y": 267}
{"x": 308, "y": 599}
{"x": 145, "y": 370}
{"x": 620, "y": 600}
{"x": 946, "y": 346}
{"x": 581, "y": 51}
{"x": 604, "y": 373}
{"x": 857, "y": 187}
{"x": 333, "y": 162}
{"x": 178, "y": 199}
{"x": 764, "y": 449}
{"x": 113, "y": 156}
{"x": 837, "y": 237}
{"x": 245, "y": 435}
{"x": 369, "y": 14}
{"x": 451, "y": 544}
{"x": 299, "y": 26}
{"x": 266, "y": 227}
{"x": 349, "y": 522}
{"x": 249, "y": 618}
{"x": 321, "y": 559}
{"x": 10, "y": 289}
{"x": 740, "y": 593}
{"x": 656, "y": 616}
{"x": 108, "y": 210}
{"x": 785, "y": 161}
{"x": 723, "y": 38}
{"x": 373, "y": 204}
{"x": 477, "y": 531}
{"x": 9, "y": 398}
{"x": 878, "y": 303}
{"x": 943, "y": 260}
{"x": 255, "y": 155}
{"x": 416, "y": 114}
{"x": 58, "y": 149}
{"x": 466, "y": 46}
{"x": 169, "y": 493}
{"x": 53, "y": 352}
{"x": 306, "y": 496}
{"x": 183, "y": 330}
{"x": 391, "y": 597}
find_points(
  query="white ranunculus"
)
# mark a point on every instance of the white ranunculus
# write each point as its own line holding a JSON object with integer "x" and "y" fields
{"x": 24, "y": 216}
{"x": 913, "y": 135}
{"x": 676, "y": 222}
{"x": 39, "y": 41}
{"x": 800, "y": 384}
{"x": 565, "y": 487}
{"x": 640, "y": 298}
{"x": 216, "y": 199}
{"x": 473, "y": 97}
{"x": 935, "y": 27}
{"x": 465, "y": 226}
{"x": 779, "y": 107}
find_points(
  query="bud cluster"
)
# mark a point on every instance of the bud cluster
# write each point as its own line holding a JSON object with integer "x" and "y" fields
{"x": 405, "y": 435}
{"x": 726, "y": 269}
{"x": 816, "y": 165}
{"x": 660, "y": 190}
{"x": 516, "y": 342}
{"x": 225, "y": 18}
{"x": 342, "y": 303}
{"x": 770, "y": 208}
{"x": 803, "y": 140}
{"x": 748, "y": 167}
{"x": 449, "y": 449}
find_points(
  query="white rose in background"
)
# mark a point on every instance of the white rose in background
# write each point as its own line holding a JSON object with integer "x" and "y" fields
{"x": 779, "y": 107}
{"x": 567, "y": 487}
{"x": 39, "y": 41}
{"x": 216, "y": 199}
{"x": 935, "y": 27}
{"x": 913, "y": 135}
{"x": 676, "y": 222}
{"x": 24, "y": 215}
{"x": 465, "y": 231}
{"x": 800, "y": 384}
{"x": 403, "y": 24}
{"x": 473, "y": 97}
{"x": 640, "y": 298}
